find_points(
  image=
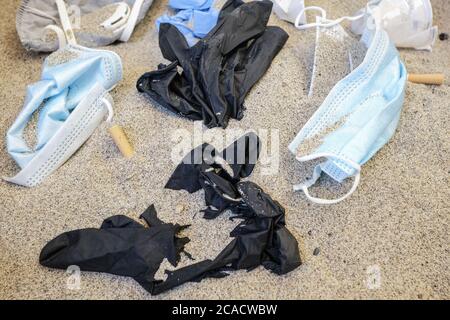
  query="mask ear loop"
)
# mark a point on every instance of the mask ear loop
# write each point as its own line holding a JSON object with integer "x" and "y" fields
{"x": 302, "y": 13}
{"x": 110, "y": 109}
{"x": 300, "y": 26}
{"x": 59, "y": 34}
{"x": 316, "y": 175}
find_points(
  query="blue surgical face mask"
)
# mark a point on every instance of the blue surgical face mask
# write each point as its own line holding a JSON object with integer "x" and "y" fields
{"x": 72, "y": 99}
{"x": 194, "y": 19}
{"x": 357, "y": 118}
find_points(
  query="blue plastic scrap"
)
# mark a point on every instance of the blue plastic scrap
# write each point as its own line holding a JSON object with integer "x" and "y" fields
{"x": 193, "y": 18}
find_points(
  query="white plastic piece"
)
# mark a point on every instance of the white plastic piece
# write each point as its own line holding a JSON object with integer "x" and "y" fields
{"x": 119, "y": 17}
{"x": 409, "y": 23}
{"x": 132, "y": 19}
{"x": 338, "y": 33}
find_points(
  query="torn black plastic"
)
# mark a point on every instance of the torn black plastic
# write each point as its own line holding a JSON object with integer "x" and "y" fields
{"x": 200, "y": 170}
{"x": 121, "y": 246}
{"x": 124, "y": 247}
{"x": 219, "y": 71}
{"x": 261, "y": 239}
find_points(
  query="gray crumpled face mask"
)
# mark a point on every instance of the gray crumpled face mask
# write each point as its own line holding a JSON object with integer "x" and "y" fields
{"x": 95, "y": 22}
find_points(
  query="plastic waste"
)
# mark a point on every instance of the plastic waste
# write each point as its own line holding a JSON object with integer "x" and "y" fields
{"x": 95, "y": 23}
{"x": 217, "y": 73}
{"x": 357, "y": 118}
{"x": 409, "y": 23}
{"x": 121, "y": 246}
{"x": 199, "y": 170}
{"x": 70, "y": 100}
{"x": 262, "y": 238}
{"x": 124, "y": 247}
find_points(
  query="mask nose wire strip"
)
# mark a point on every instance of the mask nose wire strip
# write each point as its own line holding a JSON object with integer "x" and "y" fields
{"x": 316, "y": 175}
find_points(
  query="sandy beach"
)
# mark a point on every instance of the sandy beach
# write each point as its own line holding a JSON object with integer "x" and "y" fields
{"x": 396, "y": 225}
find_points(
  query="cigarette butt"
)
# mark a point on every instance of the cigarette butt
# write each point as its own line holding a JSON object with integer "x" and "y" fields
{"x": 121, "y": 141}
{"x": 435, "y": 78}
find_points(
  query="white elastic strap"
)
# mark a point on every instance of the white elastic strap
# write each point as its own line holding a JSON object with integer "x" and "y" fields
{"x": 316, "y": 175}
{"x": 62, "y": 42}
{"x": 108, "y": 106}
{"x": 65, "y": 22}
{"x": 298, "y": 20}
{"x": 300, "y": 26}
{"x": 332, "y": 23}
{"x": 132, "y": 19}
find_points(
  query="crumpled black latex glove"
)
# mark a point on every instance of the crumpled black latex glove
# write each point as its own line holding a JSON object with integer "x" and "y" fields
{"x": 261, "y": 239}
{"x": 219, "y": 71}
{"x": 199, "y": 169}
{"x": 121, "y": 246}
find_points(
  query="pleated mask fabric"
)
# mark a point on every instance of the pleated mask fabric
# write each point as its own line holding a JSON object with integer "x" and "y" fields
{"x": 72, "y": 100}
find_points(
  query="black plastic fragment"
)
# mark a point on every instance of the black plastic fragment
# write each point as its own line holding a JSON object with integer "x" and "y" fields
{"x": 121, "y": 246}
{"x": 200, "y": 170}
{"x": 124, "y": 247}
{"x": 261, "y": 239}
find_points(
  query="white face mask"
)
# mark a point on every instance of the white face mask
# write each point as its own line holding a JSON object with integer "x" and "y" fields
{"x": 409, "y": 23}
